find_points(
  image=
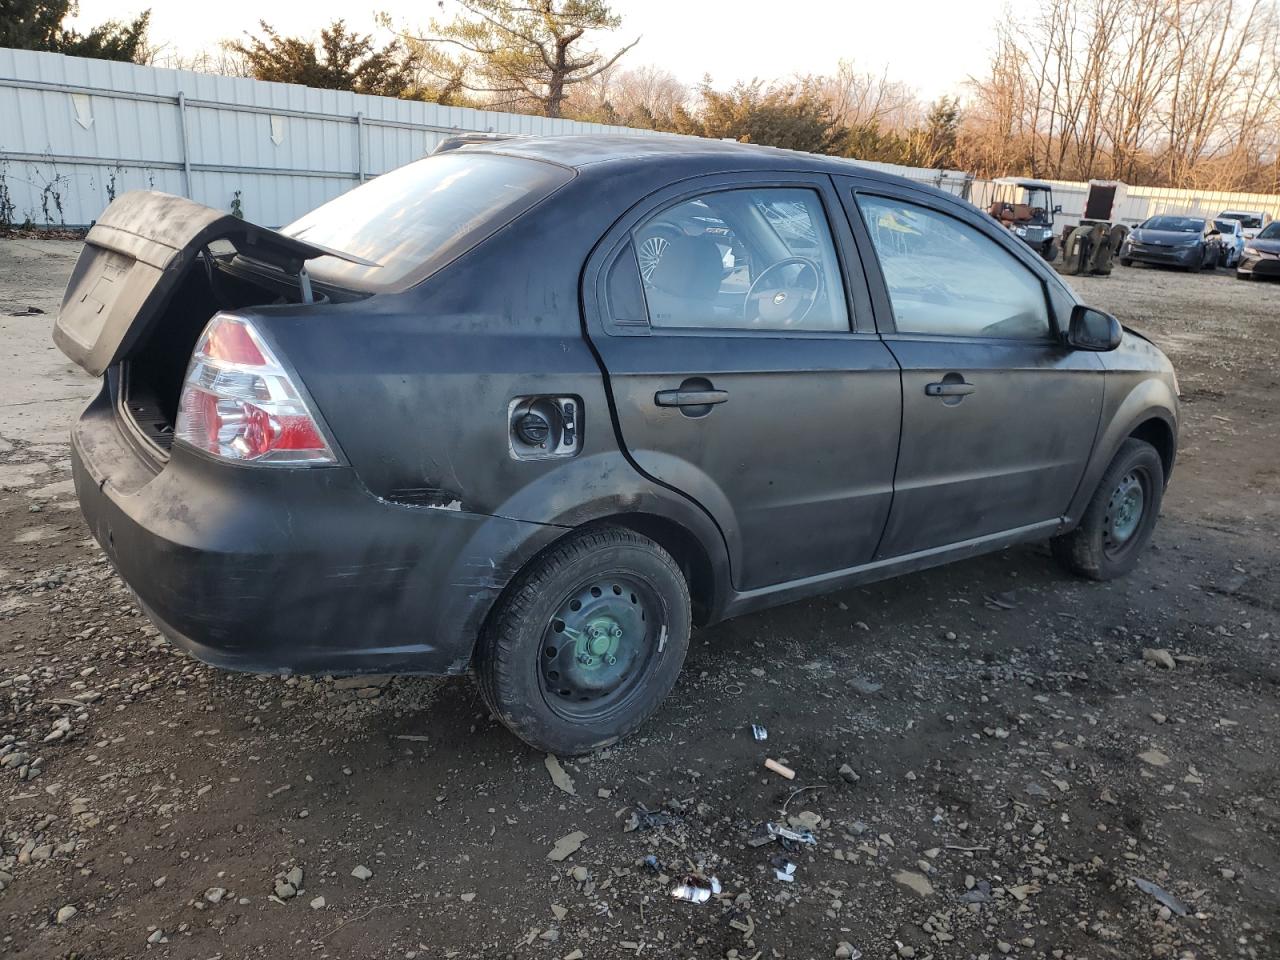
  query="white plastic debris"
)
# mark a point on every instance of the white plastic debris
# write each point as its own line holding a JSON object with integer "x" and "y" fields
{"x": 695, "y": 889}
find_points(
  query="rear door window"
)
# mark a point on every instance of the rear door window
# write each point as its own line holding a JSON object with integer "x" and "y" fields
{"x": 742, "y": 259}
{"x": 418, "y": 217}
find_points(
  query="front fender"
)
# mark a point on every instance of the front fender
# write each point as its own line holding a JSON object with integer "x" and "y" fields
{"x": 1135, "y": 403}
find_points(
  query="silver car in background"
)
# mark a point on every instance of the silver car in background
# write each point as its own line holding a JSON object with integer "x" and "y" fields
{"x": 1252, "y": 220}
{"x": 1232, "y": 241}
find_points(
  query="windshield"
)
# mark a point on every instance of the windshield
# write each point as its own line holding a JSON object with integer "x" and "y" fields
{"x": 1271, "y": 231}
{"x": 1225, "y": 226}
{"x": 415, "y": 218}
{"x": 1249, "y": 221}
{"x": 1176, "y": 224}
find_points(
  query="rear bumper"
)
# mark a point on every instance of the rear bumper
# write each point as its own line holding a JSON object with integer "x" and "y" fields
{"x": 292, "y": 570}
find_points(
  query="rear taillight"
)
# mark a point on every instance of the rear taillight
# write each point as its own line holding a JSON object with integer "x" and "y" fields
{"x": 238, "y": 402}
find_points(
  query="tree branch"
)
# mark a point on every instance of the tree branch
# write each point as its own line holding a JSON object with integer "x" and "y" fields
{"x": 607, "y": 64}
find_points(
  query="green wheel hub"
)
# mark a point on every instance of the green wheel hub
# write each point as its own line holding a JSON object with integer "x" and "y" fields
{"x": 599, "y": 642}
{"x": 1124, "y": 511}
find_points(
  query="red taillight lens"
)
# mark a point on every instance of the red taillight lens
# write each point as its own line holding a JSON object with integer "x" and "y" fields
{"x": 239, "y": 403}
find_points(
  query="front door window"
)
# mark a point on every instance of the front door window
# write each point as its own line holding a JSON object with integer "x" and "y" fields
{"x": 946, "y": 278}
{"x": 753, "y": 259}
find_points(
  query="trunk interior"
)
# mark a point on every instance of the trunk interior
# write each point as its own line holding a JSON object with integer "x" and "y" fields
{"x": 151, "y": 376}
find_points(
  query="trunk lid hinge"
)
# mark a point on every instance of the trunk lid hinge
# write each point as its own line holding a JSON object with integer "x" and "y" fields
{"x": 304, "y": 283}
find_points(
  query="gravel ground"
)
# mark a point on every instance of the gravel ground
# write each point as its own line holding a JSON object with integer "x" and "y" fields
{"x": 992, "y": 758}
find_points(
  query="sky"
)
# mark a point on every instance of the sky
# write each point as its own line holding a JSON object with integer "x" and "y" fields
{"x": 934, "y": 52}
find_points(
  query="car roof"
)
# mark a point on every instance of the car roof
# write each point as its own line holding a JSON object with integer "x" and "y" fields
{"x": 684, "y": 155}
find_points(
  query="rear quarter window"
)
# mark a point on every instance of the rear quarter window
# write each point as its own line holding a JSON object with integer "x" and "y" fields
{"x": 413, "y": 220}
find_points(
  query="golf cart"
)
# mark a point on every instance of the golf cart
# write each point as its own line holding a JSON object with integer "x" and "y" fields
{"x": 1026, "y": 208}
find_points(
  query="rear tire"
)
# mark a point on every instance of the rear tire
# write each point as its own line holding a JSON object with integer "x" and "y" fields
{"x": 586, "y": 642}
{"x": 1120, "y": 518}
{"x": 1126, "y": 262}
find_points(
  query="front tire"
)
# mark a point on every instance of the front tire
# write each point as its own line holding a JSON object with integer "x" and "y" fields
{"x": 1120, "y": 519}
{"x": 587, "y": 641}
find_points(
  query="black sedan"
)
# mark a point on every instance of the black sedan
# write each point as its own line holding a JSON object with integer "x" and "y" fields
{"x": 1187, "y": 242}
{"x": 467, "y": 418}
{"x": 1261, "y": 256}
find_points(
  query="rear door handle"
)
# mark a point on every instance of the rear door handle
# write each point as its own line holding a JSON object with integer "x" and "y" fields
{"x": 689, "y": 398}
{"x": 948, "y": 389}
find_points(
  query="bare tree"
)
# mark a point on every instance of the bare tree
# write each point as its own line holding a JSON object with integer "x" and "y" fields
{"x": 862, "y": 98}
{"x": 646, "y": 96}
{"x": 997, "y": 134}
{"x": 1181, "y": 91}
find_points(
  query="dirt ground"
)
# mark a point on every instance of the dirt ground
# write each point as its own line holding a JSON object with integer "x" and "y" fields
{"x": 1016, "y": 773}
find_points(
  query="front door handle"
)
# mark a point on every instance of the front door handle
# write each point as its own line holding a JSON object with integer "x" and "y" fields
{"x": 689, "y": 398}
{"x": 949, "y": 389}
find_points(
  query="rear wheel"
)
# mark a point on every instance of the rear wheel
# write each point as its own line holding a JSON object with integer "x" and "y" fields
{"x": 1126, "y": 262}
{"x": 587, "y": 642}
{"x": 1118, "y": 523}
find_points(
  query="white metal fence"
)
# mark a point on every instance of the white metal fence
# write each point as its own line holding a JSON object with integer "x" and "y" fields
{"x": 75, "y": 132}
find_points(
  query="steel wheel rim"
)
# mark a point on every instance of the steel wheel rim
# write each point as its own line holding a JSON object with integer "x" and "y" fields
{"x": 598, "y": 646}
{"x": 1125, "y": 510}
{"x": 649, "y": 254}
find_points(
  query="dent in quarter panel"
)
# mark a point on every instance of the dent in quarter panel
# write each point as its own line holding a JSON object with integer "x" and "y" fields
{"x": 606, "y": 486}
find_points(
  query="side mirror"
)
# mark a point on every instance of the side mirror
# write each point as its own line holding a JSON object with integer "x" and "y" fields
{"x": 1093, "y": 330}
{"x": 1057, "y": 208}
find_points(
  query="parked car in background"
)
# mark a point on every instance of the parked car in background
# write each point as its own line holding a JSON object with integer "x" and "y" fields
{"x": 1232, "y": 232}
{"x": 1251, "y": 220}
{"x": 1187, "y": 242}
{"x": 453, "y": 421}
{"x": 1261, "y": 256}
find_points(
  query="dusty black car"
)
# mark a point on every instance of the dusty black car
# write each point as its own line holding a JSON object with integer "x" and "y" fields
{"x": 452, "y": 421}
{"x": 1191, "y": 243}
{"x": 1261, "y": 255}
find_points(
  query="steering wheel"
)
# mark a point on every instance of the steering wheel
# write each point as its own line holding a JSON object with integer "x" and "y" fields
{"x": 777, "y": 301}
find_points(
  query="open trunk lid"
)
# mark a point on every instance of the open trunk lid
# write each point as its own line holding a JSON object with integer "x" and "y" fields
{"x": 133, "y": 258}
